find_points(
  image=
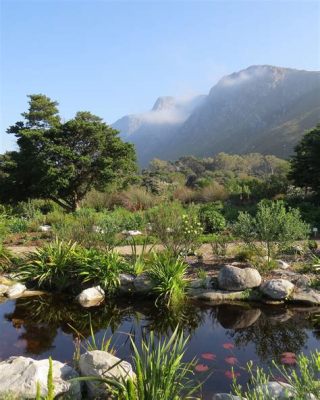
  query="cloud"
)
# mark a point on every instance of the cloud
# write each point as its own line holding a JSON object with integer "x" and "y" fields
{"x": 238, "y": 78}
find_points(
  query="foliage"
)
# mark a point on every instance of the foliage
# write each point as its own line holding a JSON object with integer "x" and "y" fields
{"x": 51, "y": 266}
{"x": 305, "y": 164}
{"x": 219, "y": 243}
{"x": 161, "y": 374}
{"x": 211, "y": 217}
{"x": 102, "y": 268}
{"x": 63, "y": 161}
{"x": 273, "y": 226}
{"x": 177, "y": 229}
{"x": 304, "y": 380}
{"x": 168, "y": 274}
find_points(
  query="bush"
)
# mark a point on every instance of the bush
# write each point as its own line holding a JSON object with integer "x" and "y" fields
{"x": 273, "y": 227}
{"x": 219, "y": 243}
{"x": 168, "y": 274}
{"x": 135, "y": 199}
{"x": 211, "y": 218}
{"x": 177, "y": 229}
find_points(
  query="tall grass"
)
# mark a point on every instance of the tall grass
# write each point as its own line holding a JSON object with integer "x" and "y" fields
{"x": 168, "y": 274}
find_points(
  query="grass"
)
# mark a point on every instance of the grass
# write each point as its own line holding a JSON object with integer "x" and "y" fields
{"x": 168, "y": 274}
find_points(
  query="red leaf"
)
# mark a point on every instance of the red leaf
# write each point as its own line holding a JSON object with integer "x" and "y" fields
{"x": 228, "y": 346}
{"x": 208, "y": 356}
{"x": 288, "y": 355}
{"x": 231, "y": 360}
{"x": 201, "y": 368}
{"x": 232, "y": 374}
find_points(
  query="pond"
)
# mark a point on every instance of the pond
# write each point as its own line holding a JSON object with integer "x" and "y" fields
{"x": 221, "y": 337}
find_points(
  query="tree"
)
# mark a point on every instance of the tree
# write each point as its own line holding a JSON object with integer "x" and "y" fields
{"x": 63, "y": 161}
{"x": 273, "y": 226}
{"x": 305, "y": 164}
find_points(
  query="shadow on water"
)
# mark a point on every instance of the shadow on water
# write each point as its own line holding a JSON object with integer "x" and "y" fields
{"x": 43, "y": 326}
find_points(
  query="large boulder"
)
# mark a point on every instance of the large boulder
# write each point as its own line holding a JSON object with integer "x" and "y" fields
{"x": 221, "y": 296}
{"x": 126, "y": 283}
{"x": 234, "y": 278}
{"x": 142, "y": 284}
{"x": 307, "y": 296}
{"x": 19, "y": 377}
{"x": 103, "y": 365}
{"x": 277, "y": 289}
{"x": 15, "y": 290}
{"x": 91, "y": 297}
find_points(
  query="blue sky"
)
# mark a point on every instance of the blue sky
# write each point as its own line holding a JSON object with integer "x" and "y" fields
{"x": 116, "y": 57}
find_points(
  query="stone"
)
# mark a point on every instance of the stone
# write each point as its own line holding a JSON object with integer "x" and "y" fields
{"x": 307, "y": 296}
{"x": 277, "y": 289}
{"x": 103, "y": 364}
{"x": 216, "y": 296}
{"x": 19, "y": 377}
{"x": 226, "y": 396}
{"x": 126, "y": 283}
{"x": 15, "y": 290}
{"x": 91, "y": 296}
{"x": 201, "y": 283}
{"x": 234, "y": 278}
{"x": 282, "y": 264}
{"x": 142, "y": 284}
{"x": 275, "y": 390}
{"x": 3, "y": 289}
{"x": 6, "y": 281}
{"x": 302, "y": 281}
{"x": 45, "y": 228}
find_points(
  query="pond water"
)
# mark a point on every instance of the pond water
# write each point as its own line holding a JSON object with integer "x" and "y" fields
{"x": 220, "y": 336}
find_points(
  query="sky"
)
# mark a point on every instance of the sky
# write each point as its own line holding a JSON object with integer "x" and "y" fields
{"x": 116, "y": 57}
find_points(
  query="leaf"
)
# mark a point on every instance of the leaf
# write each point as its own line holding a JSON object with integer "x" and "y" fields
{"x": 208, "y": 356}
{"x": 201, "y": 368}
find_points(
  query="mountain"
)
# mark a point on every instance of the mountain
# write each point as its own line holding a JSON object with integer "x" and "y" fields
{"x": 262, "y": 109}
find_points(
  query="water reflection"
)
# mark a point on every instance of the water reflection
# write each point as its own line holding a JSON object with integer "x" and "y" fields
{"x": 46, "y": 325}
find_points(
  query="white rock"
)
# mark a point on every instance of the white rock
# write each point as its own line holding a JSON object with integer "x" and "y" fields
{"x": 19, "y": 376}
{"x": 282, "y": 264}
{"x": 102, "y": 364}
{"x": 45, "y": 228}
{"x": 91, "y": 296}
{"x": 15, "y": 290}
{"x": 234, "y": 278}
{"x": 277, "y": 289}
{"x": 275, "y": 390}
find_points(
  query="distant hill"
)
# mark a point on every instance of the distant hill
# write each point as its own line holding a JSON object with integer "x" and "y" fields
{"x": 262, "y": 109}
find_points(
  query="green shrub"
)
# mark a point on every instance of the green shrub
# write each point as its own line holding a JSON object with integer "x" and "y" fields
{"x": 272, "y": 227}
{"x": 18, "y": 224}
{"x": 177, "y": 229}
{"x": 168, "y": 274}
{"x": 101, "y": 268}
{"x": 219, "y": 243}
{"x": 211, "y": 218}
{"x": 51, "y": 266}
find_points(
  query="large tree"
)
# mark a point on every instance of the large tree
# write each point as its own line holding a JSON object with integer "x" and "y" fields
{"x": 63, "y": 161}
{"x": 305, "y": 164}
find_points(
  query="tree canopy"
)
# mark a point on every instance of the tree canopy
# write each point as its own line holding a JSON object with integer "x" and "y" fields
{"x": 305, "y": 164}
{"x": 63, "y": 161}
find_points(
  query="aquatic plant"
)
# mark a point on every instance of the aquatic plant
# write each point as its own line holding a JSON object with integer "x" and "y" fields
{"x": 303, "y": 380}
{"x": 168, "y": 274}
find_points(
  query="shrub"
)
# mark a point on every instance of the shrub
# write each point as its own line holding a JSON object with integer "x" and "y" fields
{"x": 135, "y": 198}
{"x": 213, "y": 192}
{"x": 101, "y": 268}
{"x": 273, "y": 227}
{"x": 177, "y": 229}
{"x": 168, "y": 274}
{"x": 219, "y": 243}
{"x": 51, "y": 266}
{"x": 211, "y": 218}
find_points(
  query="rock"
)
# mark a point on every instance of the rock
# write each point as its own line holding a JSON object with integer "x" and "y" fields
{"x": 91, "y": 297}
{"x": 201, "y": 283}
{"x": 142, "y": 284}
{"x": 15, "y": 290}
{"x": 3, "y": 289}
{"x": 282, "y": 264}
{"x": 5, "y": 281}
{"x": 102, "y": 364}
{"x": 307, "y": 296}
{"x": 126, "y": 283}
{"x": 216, "y": 296}
{"x": 275, "y": 390}
{"x": 19, "y": 376}
{"x": 277, "y": 289}
{"x": 45, "y": 228}
{"x": 33, "y": 293}
{"x": 226, "y": 396}
{"x": 302, "y": 281}
{"x": 132, "y": 233}
{"x": 234, "y": 278}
